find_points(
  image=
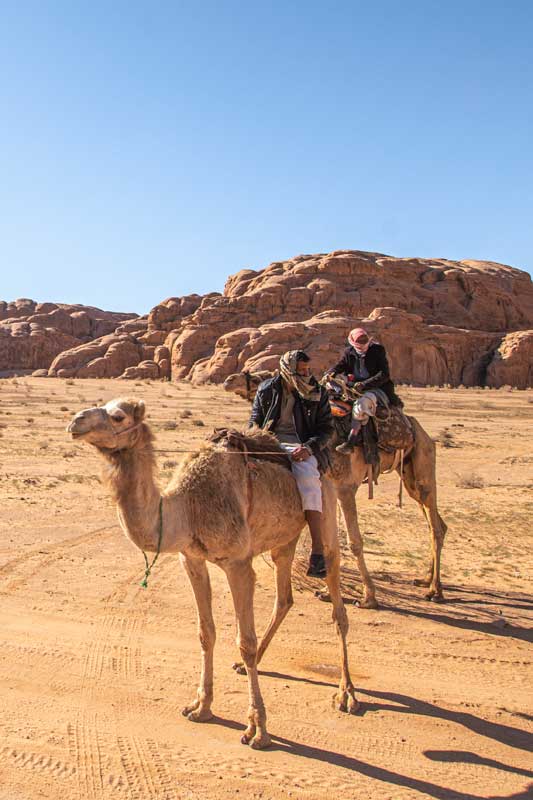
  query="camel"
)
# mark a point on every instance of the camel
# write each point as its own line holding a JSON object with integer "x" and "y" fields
{"x": 418, "y": 473}
{"x": 220, "y": 507}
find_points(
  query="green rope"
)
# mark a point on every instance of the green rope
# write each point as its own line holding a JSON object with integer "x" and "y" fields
{"x": 149, "y": 567}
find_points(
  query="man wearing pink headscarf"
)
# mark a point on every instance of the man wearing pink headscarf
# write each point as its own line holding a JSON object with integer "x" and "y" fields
{"x": 365, "y": 364}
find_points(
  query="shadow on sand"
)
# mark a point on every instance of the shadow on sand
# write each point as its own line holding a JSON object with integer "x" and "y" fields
{"x": 355, "y": 765}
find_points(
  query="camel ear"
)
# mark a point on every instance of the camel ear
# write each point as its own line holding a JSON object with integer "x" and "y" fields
{"x": 140, "y": 409}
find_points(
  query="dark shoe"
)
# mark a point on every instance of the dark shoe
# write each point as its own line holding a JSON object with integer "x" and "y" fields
{"x": 317, "y": 566}
{"x": 346, "y": 448}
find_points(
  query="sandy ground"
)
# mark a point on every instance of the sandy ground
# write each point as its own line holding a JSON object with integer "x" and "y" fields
{"x": 94, "y": 670}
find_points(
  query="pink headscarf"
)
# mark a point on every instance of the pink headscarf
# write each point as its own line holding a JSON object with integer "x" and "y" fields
{"x": 354, "y": 335}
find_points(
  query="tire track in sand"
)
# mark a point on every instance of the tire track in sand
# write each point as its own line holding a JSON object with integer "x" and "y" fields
{"x": 93, "y": 733}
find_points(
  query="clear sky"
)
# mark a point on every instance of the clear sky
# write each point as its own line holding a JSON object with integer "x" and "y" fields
{"x": 149, "y": 149}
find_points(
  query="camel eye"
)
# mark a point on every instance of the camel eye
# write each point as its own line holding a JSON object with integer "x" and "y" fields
{"x": 118, "y": 417}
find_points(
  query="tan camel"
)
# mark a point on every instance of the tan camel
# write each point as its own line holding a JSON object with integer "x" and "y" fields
{"x": 217, "y": 507}
{"x": 348, "y": 473}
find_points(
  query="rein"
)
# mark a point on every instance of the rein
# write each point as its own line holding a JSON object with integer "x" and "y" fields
{"x": 149, "y": 567}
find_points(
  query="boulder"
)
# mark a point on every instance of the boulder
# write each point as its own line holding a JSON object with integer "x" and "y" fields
{"x": 143, "y": 370}
{"x": 512, "y": 361}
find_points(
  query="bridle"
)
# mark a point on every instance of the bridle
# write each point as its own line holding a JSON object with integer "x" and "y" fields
{"x": 115, "y": 433}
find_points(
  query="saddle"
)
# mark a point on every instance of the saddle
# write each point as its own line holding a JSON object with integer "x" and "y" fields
{"x": 255, "y": 443}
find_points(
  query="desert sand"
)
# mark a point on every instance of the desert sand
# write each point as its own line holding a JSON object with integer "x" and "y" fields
{"x": 94, "y": 670}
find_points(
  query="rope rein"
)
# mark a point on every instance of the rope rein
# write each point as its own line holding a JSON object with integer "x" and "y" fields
{"x": 149, "y": 567}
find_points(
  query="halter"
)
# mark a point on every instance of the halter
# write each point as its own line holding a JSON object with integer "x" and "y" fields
{"x": 115, "y": 433}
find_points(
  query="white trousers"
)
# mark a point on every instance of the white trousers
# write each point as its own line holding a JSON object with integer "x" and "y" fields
{"x": 365, "y": 407}
{"x": 307, "y": 479}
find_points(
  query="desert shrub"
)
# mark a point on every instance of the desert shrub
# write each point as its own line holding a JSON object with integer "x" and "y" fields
{"x": 69, "y": 382}
{"x": 471, "y": 481}
{"x": 185, "y": 413}
{"x": 170, "y": 425}
{"x": 198, "y": 422}
{"x": 63, "y": 408}
{"x": 445, "y": 438}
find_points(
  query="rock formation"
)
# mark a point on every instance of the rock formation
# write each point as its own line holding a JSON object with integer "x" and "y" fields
{"x": 442, "y": 321}
{"x": 32, "y": 334}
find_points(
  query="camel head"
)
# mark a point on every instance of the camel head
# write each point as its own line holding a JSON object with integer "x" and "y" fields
{"x": 244, "y": 384}
{"x": 113, "y": 426}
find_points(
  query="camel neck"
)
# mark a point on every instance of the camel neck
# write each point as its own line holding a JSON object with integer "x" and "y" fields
{"x": 130, "y": 476}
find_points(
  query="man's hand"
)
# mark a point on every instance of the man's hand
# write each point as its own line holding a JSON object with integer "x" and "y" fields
{"x": 359, "y": 387}
{"x": 300, "y": 454}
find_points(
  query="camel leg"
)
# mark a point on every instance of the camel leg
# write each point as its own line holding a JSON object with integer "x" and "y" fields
{"x": 346, "y": 496}
{"x": 241, "y": 579}
{"x": 345, "y": 699}
{"x": 200, "y": 709}
{"x": 282, "y": 558}
{"x": 425, "y": 495}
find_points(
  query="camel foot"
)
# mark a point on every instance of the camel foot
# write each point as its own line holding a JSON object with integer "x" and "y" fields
{"x": 239, "y": 668}
{"x": 195, "y": 713}
{"x": 368, "y": 602}
{"x": 256, "y": 740}
{"x": 323, "y": 595}
{"x": 436, "y": 597}
{"x": 422, "y": 582}
{"x": 346, "y": 701}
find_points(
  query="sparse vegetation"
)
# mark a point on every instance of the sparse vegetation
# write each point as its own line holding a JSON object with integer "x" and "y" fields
{"x": 445, "y": 438}
{"x": 471, "y": 481}
{"x": 198, "y": 422}
{"x": 185, "y": 413}
{"x": 169, "y": 425}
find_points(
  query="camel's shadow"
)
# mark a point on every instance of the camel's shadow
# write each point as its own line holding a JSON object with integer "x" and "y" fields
{"x": 506, "y": 614}
{"x": 391, "y": 778}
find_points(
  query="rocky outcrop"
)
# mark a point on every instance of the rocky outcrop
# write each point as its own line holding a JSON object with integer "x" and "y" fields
{"x": 32, "y": 334}
{"x": 463, "y": 310}
{"x": 420, "y": 353}
{"x": 512, "y": 362}
{"x": 442, "y": 321}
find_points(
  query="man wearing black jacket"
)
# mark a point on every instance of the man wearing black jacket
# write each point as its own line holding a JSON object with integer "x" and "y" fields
{"x": 365, "y": 364}
{"x": 296, "y": 409}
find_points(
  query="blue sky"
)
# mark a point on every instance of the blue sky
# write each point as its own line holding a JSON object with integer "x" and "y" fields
{"x": 149, "y": 149}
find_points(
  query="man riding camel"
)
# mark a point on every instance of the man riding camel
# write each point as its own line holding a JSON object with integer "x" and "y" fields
{"x": 296, "y": 409}
{"x": 365, "y": 364}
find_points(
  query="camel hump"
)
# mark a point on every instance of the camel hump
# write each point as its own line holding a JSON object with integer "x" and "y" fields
{"x": 254, "y": 443}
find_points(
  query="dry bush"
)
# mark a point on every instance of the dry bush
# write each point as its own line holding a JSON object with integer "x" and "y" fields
{"x": 471, "y": 481}
{"x": 170, "y": 425}
{"x": 63, "y": 408}
{"x": 169, "y": 464}
{"x": 198, "y": 422}
{"x": 29, "y": 420}
{"x": 69, "y": 382}
{"x": 445, "y": 438}
{"x": 43, "y": 445}
{"x": 185, "y": 413}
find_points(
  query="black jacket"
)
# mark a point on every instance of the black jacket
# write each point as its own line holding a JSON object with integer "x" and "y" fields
{"x": 377, "y": 366}
{"x": 313, "y": 420}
